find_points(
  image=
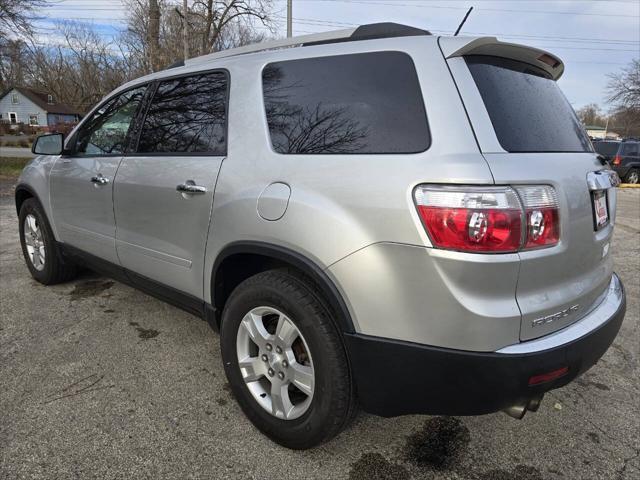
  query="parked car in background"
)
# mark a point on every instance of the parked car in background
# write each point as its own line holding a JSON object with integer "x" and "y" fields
{"x": 375, "y": 218}
{"x": 623, "y": 156}
{"x": 627, "y": 161}
{"x": 607, "y": 148}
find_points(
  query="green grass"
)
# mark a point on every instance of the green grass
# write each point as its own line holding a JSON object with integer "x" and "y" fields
{"x": 20, "y": 143}
{"x": 12, "y": 166}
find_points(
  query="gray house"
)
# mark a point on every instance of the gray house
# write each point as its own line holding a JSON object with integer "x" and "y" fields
{"x": 37, "y": 109}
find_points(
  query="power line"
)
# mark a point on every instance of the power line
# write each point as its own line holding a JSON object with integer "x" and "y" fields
{"x": 382, "y": 2}
{"x": 508, "y": 10}
{"x": 327, "y": 23}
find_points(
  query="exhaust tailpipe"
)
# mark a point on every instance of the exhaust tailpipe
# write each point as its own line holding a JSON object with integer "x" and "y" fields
{"x": 516, "y": 411}
{"x": 519, "y": 410}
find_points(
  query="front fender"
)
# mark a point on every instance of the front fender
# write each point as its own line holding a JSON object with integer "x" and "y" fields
{"x": 34, "y": 182}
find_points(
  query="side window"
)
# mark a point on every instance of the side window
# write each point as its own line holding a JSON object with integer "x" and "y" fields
{"x": 187, "y": 115}
{"x": 345, "y": 104}
{"x": 105, "y": 132}
{"x": 630, "y": 149}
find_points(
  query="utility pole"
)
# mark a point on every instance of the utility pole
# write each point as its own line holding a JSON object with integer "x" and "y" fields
{"x": 185, "y": 26}
{"x": 154, "y": 35}
{"x": 289, "y": 18}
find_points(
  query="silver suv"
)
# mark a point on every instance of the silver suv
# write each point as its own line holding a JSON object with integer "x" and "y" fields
{"x": 375, "y": 217}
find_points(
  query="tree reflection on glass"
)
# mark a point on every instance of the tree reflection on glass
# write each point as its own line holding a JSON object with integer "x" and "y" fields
{"x": 349, "y": 104}
{"x": 187, "y": 115}
{"x": 307, "y": 129}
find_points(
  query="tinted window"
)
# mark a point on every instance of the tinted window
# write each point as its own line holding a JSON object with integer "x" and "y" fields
{"x": 528, "y": 111}
{"x": 630, "y": 148}
{"x": 606, "y": 148}
{"x": 187, "y": 115}
{"x": 106, "y": 131}
{"x": 363, "y": 103}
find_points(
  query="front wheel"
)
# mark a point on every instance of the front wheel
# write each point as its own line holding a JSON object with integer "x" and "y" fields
{"x": 39, "y": 248}
{"x": 285, "y": 361}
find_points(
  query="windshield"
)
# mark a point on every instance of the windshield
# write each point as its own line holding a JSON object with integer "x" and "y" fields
{"x": 606, "y": 148}
{"x": 528, "y": 111}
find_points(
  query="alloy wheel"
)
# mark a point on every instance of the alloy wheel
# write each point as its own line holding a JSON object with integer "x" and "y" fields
{"x": 34, "y": 242}
{"x": 275, "y": 362}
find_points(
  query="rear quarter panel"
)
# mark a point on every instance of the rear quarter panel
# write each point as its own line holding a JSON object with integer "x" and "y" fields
{"x": 339, "y": 203}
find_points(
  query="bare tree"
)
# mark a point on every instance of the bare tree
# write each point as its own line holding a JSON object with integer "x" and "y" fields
{"x": 624, "y": 87}
{"x": 79, "y": 71}
{"x": 213, "y": 25}
{"x": 12, "y": 68}
{"x": 215, "y": 15}
{"x": 154, "y": 34}
{"x": 591, "y": 115}
{"x": 624, "y": 93}
{"x": 17, "y": 16}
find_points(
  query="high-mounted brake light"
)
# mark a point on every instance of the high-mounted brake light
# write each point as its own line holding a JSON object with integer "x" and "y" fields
{"x": 489, "y": 219}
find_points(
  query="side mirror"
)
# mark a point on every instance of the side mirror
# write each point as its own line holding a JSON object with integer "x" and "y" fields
{"x": 50, "y": 144}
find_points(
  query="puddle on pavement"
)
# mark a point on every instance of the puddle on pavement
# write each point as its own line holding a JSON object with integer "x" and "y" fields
{"x": 90, "y": 288}
{"x": 520, "y": 472}
{"x": 439, "y": 445}
{"x": 145, "y": 333}
{"x": 374, "y": 465}
{"x": 588, "y": 383}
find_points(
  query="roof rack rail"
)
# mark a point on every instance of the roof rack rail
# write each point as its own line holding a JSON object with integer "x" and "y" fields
{"x": 363, "y": 32}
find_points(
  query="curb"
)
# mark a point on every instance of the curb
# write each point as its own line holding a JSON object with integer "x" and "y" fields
{"x": 629, "y": 185}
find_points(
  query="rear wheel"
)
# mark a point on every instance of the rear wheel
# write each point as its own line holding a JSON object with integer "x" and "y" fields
{"x": 285, "y": 361}
{"x": 633, "y": 176}
{"x": 39, "y": 248}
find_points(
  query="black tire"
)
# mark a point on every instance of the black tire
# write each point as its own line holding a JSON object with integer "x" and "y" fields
{"x": 632, "y": 176}
{"x": 56, "y": 268}
{"x": 333, "y": 403}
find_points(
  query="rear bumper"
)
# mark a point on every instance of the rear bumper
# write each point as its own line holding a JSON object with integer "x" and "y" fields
{"x": 397, "y": 378}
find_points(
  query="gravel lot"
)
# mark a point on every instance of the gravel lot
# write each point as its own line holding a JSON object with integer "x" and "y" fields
{"x": 98, "y": 380}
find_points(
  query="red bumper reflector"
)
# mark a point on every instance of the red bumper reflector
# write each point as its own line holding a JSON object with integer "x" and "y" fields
{"x": 547, "y": 377}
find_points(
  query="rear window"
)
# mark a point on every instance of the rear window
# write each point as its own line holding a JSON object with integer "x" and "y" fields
{"x": 606, "y": 148}
{"x": 528, "y": 111}
{"x": 345, "y": 104}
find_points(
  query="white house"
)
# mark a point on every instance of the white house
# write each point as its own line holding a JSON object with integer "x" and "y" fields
{"x": 38, "y": 109}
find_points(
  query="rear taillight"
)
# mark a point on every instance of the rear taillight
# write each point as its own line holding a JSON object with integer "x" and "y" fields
{"x": 617, "y": 160}
{"x": 471, "y": 219}
{"x": 541, "y": 213}
{"x": 489, "y": 219}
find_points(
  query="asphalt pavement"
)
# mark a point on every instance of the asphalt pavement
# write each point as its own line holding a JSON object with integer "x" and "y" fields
{"x": 98, "y": 380}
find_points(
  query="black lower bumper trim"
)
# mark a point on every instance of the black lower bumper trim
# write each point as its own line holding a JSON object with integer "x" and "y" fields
{"x": 398, "y": 378}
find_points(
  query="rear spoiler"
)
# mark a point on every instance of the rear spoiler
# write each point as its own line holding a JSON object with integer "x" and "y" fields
{"x": 461, "y": 46}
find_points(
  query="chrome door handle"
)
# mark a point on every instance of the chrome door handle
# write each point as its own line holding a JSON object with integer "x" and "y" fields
{"x": 190, "y": 187}
{"x": 99, "y": 179}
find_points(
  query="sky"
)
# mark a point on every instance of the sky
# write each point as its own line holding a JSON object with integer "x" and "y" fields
{"x": 592, "y": 37}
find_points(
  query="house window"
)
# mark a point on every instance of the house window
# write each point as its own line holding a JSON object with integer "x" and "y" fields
{"x": 13, "y": 117}
{"x": 15, "y": 99}
{"x": 33, "y": 119}
{"x": 50, "y": 99}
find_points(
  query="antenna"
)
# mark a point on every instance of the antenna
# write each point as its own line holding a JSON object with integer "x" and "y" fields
{"x": 462, "y": 23}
